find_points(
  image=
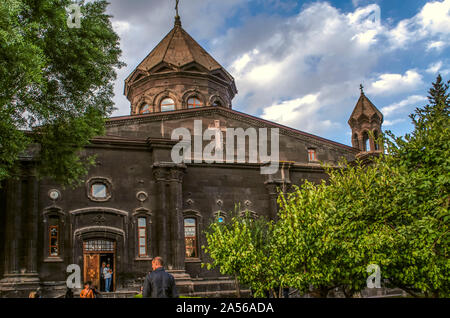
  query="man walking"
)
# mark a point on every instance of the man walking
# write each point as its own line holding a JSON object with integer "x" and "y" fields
{"x": 159, "y": 283}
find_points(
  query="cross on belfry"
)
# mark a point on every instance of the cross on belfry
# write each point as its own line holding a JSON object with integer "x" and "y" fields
{"x": 176, "y": 7}
{"x": 361, "y": 87}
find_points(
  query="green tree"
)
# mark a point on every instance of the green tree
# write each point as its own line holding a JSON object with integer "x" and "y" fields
{"x": 328, "y": 233}
{"x": 56, "y": 83}
{"x": 241, "y": 248}
{"x": 393, "y": 213}
{"x": 422, "y": 160}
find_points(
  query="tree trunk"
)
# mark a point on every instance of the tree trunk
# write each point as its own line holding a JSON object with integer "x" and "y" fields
{"x": 238, "y": 290}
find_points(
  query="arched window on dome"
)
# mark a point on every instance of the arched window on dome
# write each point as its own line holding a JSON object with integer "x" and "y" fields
{"x": 217, "y": 103}
{"x": 194, "y": 102}
{"x": 145, "y": 109}
{"x": 167, "y": 105}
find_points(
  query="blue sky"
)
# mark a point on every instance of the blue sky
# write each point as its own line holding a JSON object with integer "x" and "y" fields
{"x": 300, "y": 63}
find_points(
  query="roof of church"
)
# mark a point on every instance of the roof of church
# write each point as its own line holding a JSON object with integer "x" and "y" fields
{"x": 365, "y": 107}
{"x": 195, "y": 112}
{"x": 178, "y": 48}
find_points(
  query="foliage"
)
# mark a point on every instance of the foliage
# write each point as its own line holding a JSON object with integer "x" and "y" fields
{"x": 241, "y": 247}
{"x": 422, "y": 185}
{"x": 55, "y": 80}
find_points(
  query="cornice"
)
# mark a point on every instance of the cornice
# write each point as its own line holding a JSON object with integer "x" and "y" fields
{"x": 232, "y": 114}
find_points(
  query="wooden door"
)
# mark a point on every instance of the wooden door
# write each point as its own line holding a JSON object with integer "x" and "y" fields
{"x": 92, "y": 269}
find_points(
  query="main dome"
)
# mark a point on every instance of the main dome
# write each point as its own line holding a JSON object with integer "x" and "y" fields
{"x": 179, "y": 72}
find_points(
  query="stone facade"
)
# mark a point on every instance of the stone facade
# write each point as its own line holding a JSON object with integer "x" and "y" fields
{"x": 134, "y": 202}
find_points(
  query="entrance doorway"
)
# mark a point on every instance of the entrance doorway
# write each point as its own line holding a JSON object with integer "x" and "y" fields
{"x": 96, "y": 253}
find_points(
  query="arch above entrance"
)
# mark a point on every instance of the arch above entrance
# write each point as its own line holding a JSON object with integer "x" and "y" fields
{"x": 99, "y": 209}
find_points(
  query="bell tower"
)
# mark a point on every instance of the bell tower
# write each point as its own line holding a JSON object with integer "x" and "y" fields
{"x": 365, "y": 122}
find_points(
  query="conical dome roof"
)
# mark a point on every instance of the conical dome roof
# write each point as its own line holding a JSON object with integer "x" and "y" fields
{"x": 178, "y": 48}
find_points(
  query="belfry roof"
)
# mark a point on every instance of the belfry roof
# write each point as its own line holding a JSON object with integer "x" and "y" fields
{"x": 364, "y": 107}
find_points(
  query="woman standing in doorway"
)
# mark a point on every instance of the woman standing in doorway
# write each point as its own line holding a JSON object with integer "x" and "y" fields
{"x": 107, "y": 274}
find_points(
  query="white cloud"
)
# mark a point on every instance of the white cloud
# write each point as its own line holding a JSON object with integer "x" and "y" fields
{"x": 387, "y": 84}
{"x": 436, "y": 45}
{"x": 434, "y": 68}
{"x": 392, "y": 109}
{"x": 393, "y": 122}
{"x": 319, "y": 50}
{"x": 121, "y": 27}
{"x": 301, "y": 113}
{"x": 433, "y": 20}
{"x": 288, "y": 112}
{"x": 435, "y": 17}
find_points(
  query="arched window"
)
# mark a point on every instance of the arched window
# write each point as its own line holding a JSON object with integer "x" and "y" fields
{"x": 217, "y": 103}
{"x": 312, "y": 155}
{"x": 376, "y": 141}
{"x": 142, "y": 236}
{"x": 366, "y": 141}
{"x": 167, "y": 104}
{"x": 194, "y": 102}
{"x": 145, "y": 109}
{"x": 53, "y": 235}
{"x": 190, "y": 237}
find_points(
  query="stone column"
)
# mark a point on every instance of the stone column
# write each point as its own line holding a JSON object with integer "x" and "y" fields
{"x": 32, "y": 225}
{"x": 168, "y": 215}
{"x": 21, "y": 234}
{"x": 176, "y": 217}
{"x": 13, "y": 202}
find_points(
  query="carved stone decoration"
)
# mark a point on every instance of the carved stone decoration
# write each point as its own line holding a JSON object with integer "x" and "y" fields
{"x": 168, "y": 171}
{"x": 219, "y": 203}
{"x": 249, "y": 213}
{"x": 189, "y": 201}
{"x": 54, "y": 195}
{"x": 248, "y": 203}
{"x": 99, "y": 219}
{"x": 142, "y": 196}
{"x": 219, "y": 214}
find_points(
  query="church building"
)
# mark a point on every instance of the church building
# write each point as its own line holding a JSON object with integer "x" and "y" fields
{"x": 137, "y": 203}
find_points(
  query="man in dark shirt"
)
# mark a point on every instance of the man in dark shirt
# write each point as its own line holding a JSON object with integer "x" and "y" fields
{"x": 159, "y": 283}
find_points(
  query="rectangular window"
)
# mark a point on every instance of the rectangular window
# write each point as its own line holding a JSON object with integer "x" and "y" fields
{"x": 312, "y": 155}
{"x": 142, "y": 236}
{"x": 190, "y": 237}
{"x": 53, "y": 235}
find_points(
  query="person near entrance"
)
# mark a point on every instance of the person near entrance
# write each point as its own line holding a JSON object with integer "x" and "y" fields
{"x": 159, "y": 283}
{"x": 102, "y": 277}
{"x": 107, "y": 274}
{"x": 87, "y": 291}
